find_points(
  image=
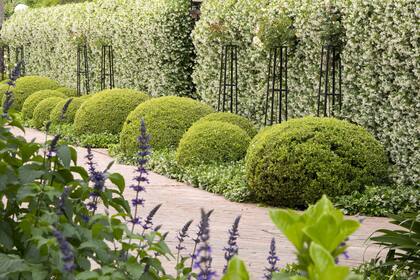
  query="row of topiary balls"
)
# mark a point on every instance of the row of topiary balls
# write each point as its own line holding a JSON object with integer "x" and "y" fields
{"x": 290, "y": 164}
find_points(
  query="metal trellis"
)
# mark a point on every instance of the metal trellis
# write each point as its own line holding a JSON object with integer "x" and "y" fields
{"x": 83, "y": 70}
{"x": 276, "y": 101}
{"x": 330, "y": 80}
{"x": 228, "y": 82}
{"x": 107, "y": 67}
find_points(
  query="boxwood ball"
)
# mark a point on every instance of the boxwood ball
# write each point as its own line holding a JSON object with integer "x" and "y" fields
{"x": 292, "y": 164}
{"x": 240, "y": 121}
{"x": 106, "y": 111}
{"x": 212, "y": 142}
{"x": 167, "y": 119}
{"x": 25, "y": 86}
{"x": 32, "y": 101}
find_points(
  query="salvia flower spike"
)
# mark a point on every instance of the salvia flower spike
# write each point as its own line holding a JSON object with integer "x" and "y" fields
{"x": 232, "y": 247}
{"x": 272, "y": 261}
{"x": 67, "y": 253}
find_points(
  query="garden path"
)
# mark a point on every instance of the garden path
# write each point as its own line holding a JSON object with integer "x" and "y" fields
{"x": 181, "y": 202}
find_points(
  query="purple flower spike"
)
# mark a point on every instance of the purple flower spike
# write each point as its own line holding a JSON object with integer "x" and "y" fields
{"x": 67, "y": 253}
{"x": 272, "y": 261}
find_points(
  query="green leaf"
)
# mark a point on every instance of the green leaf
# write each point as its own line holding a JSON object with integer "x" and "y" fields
{"x": 290, "y": 223}
{"x": 64, "y": 154}
{"x": 118, "y": 180}
{"x": 28, "y": 173}
{"x": 320, "y": 256}
{"x": 236, "y": 270}
{"x": 87, "y": 275}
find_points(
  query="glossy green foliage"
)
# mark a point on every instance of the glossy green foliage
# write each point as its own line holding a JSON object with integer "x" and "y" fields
{"x": 28, "y": 85}
{"x": 106, "y": 111}
{"x": 318, "y": 234}
{"x": 68, "y": 117}
{"x": 42, "y": 111}
{"x": 240, "y": 121}
{"x": 212, "y": 142}
{"x": 294, "y": 163}
{"x": 32, "y": 101}
{"x": 168, "y": 118}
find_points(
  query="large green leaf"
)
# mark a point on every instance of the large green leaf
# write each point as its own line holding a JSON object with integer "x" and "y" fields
{"x": 236, "y": 270}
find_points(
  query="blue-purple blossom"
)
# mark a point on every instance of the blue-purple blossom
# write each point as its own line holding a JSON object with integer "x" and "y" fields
{"x": 141, "y": 174}
{"x": 14, "y": 75}
{"x": 272, "y": 261}
{"x": 98, "y": 179}
{"x": 148, "y": 222}
{"x": 67, "y": 253}
{"x": 65, "y": 108}
{"x": 62, "y": 201}
{"x": 345, "y": 253}
{"x": 232, "y": 248}
{"x": 52, "y": 147}
{"x": 202, "y": 256}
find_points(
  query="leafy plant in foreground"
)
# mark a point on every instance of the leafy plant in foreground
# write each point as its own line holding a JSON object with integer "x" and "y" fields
{"x": 403, "y": 245}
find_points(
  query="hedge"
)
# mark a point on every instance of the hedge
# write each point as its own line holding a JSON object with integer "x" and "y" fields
{"x": 380, "y": 60}
{"x": 32, "y": 101}
{"x": 42, "y": 111}
{"x": 25, "y": 86}
{"x": 151, "y": 41}
{"x": 167, "y": 119}
{"x": 70, "y": 92}
{"x": 106, "y": 111}
{"x": 212, "y": 142}
{"x": 294, "y": 163}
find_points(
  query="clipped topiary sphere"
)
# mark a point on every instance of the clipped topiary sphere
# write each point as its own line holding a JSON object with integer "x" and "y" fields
{"x": 292, "y": 164}
{"x": 240, "y": 121}
{"x": 68, "y": 117}
{"x": 32, "y": 101}
{"x": 212, "y": 141}
{"x": 25, "y": 86}
{"x": 42, "y": 111}
{"x": 106, "y": 111}
{"x": 167, "y": 119}
{"x": 70, "y": 92}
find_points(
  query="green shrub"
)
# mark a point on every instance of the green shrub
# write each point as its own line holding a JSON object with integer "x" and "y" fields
{"x": 75, "y": 104}
{"x": 25, "y": 86}
{"x": 240, "y": 121}
{"x": 70, "y": 92}
{"x": 212, "y": 142}
{"x": 167, "y": 118}
{"x": 294, "y": 163}
{"x": 106, "y": 111}
{"x": 33, "y": 100}
{"x": 380, "y": 201}
{"x": 42, "y": 111}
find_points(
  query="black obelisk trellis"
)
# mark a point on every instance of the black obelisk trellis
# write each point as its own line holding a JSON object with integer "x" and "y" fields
{"x": 228, "y": 82}
{"x": 276, "y": 100}
{"x": 83, "y": 70}
{"x": 20, "y": 56}
{"x": 107, "y": 67}
{"x": 5, "y": 61}
{"x": 330, "y": 79}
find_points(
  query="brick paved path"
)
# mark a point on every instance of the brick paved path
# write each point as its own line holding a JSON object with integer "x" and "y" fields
{"x": 182, "y": 202}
